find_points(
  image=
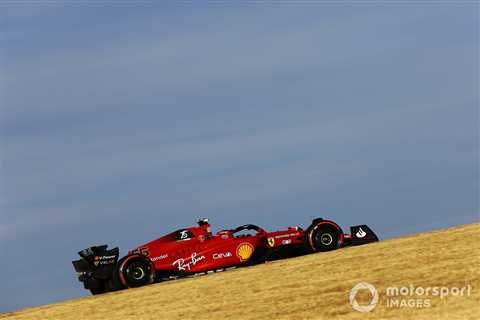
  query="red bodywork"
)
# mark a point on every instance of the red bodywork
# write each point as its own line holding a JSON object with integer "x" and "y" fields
{"x": 201, "y": 251}
{"x": 196, "y": 250}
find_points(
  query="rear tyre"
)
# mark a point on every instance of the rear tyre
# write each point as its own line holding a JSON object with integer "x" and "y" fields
{"x": 323, "y": 237}
{"x": 136, "y": 271}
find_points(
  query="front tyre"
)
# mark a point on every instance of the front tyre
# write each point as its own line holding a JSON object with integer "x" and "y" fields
{"x": 136, "y": 271}
{"x": 323, "y": 237}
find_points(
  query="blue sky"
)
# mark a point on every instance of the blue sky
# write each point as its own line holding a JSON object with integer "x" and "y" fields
{"x": 120, "y": 123}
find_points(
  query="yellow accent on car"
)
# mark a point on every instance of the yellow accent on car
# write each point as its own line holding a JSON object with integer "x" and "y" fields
{"x": 271, "y": 242}
{"x": 245, "y": 251}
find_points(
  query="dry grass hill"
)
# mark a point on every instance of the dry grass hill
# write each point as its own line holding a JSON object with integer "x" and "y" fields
{"x": 309, "y": 287}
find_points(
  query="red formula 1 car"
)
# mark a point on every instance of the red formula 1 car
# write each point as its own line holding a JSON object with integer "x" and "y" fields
{"x": 196, "y": 250}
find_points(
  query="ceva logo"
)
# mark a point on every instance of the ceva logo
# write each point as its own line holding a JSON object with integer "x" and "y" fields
{"x": 217, "y": 256}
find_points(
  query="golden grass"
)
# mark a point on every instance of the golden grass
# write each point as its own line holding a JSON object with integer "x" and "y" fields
{"x": 310, "y": 287}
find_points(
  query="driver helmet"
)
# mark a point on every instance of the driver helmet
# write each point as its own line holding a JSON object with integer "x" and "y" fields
{"x": 202, "y": 222}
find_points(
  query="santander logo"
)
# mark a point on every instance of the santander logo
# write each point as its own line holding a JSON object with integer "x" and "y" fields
{"x": 361, "y": 233}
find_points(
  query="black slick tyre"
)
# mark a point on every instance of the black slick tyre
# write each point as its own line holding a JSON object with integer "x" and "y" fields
{"x": 323, "y": 237}
{"x": 136, "y": 271}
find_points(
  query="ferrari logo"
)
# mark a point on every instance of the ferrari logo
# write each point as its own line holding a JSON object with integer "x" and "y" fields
{"x": 271, "y": 242}
{"x": 245, "y": 251}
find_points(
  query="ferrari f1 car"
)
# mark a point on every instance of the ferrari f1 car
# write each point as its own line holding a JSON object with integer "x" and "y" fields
{"x": 196, "y": 250}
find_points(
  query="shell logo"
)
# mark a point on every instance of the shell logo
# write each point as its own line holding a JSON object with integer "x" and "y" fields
{"x": 245, "y": 251}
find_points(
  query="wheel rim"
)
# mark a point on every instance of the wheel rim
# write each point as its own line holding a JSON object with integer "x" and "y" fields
{"x": 138, "y": 273}
{"x": 326, "y": 239}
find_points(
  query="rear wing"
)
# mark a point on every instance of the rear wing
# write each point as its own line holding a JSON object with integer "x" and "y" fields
{"x": 97, "y": 261}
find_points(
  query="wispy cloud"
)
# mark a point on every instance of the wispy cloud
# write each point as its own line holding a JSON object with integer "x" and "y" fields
{"x": 165, "y": 64}
{"x": 224, "y": 171}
